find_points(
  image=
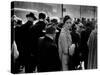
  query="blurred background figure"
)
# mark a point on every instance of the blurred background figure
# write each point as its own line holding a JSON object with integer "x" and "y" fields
{"x": 48, "y": 19}
{"x": 28, "y": 50}
{"x": 15, "y": 49}
{"x": 83, "y": 44}
{"x": 48, "y": 57}
{"x": 75, "y": 58}
{"x": 92, "y": 44}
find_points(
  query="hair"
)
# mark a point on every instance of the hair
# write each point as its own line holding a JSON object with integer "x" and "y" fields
{"x": 66, "y": 18}
{"x": 42, "y": 16}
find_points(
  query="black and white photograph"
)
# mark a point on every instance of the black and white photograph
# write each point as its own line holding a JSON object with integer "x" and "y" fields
{"x": 53, "y": 37}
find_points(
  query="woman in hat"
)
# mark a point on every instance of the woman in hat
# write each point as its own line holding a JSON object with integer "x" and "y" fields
{"x": 65, "y": 42}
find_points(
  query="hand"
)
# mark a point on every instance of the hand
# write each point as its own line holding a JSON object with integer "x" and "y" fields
{"x": 72, "y": 49}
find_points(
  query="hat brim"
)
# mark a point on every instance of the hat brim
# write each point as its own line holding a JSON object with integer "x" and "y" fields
{"x": 56, "y": 31}
{"x": 31, "y": 17}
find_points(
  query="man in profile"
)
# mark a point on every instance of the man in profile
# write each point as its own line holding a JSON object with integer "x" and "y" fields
{"x": 48, "y": 57}
{"x": 27, "y": 44}
{"x": 40, "y": 25}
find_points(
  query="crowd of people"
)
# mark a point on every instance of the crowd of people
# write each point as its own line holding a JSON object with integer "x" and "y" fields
{"x": 49, "y": 45}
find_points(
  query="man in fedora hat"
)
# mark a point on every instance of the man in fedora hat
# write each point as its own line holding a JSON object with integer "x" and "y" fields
{"x": 30, "y": 16}
{"x": 48, "y": 57}
{"x": 27, "y": 43}
{"x": 40, "y": 25}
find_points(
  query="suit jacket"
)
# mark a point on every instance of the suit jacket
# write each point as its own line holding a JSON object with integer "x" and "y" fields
{"x": 75, "y": 58}
{"x": 48, "y": 55}
{"x": 26, "y": 37}
{"x": 83, "y": 43}
{"x": 38, "y": 28}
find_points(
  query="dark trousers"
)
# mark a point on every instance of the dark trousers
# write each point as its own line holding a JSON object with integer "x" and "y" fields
{"x": 15, "y": 66}
{"x": 30, "y": 63}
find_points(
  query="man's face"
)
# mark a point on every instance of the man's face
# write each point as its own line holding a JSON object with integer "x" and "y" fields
{"x": 30, "y": 19}
{"x": 78, "y": 28}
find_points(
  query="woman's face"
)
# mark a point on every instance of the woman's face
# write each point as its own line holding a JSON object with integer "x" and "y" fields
{"x": 68, "y": 23}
